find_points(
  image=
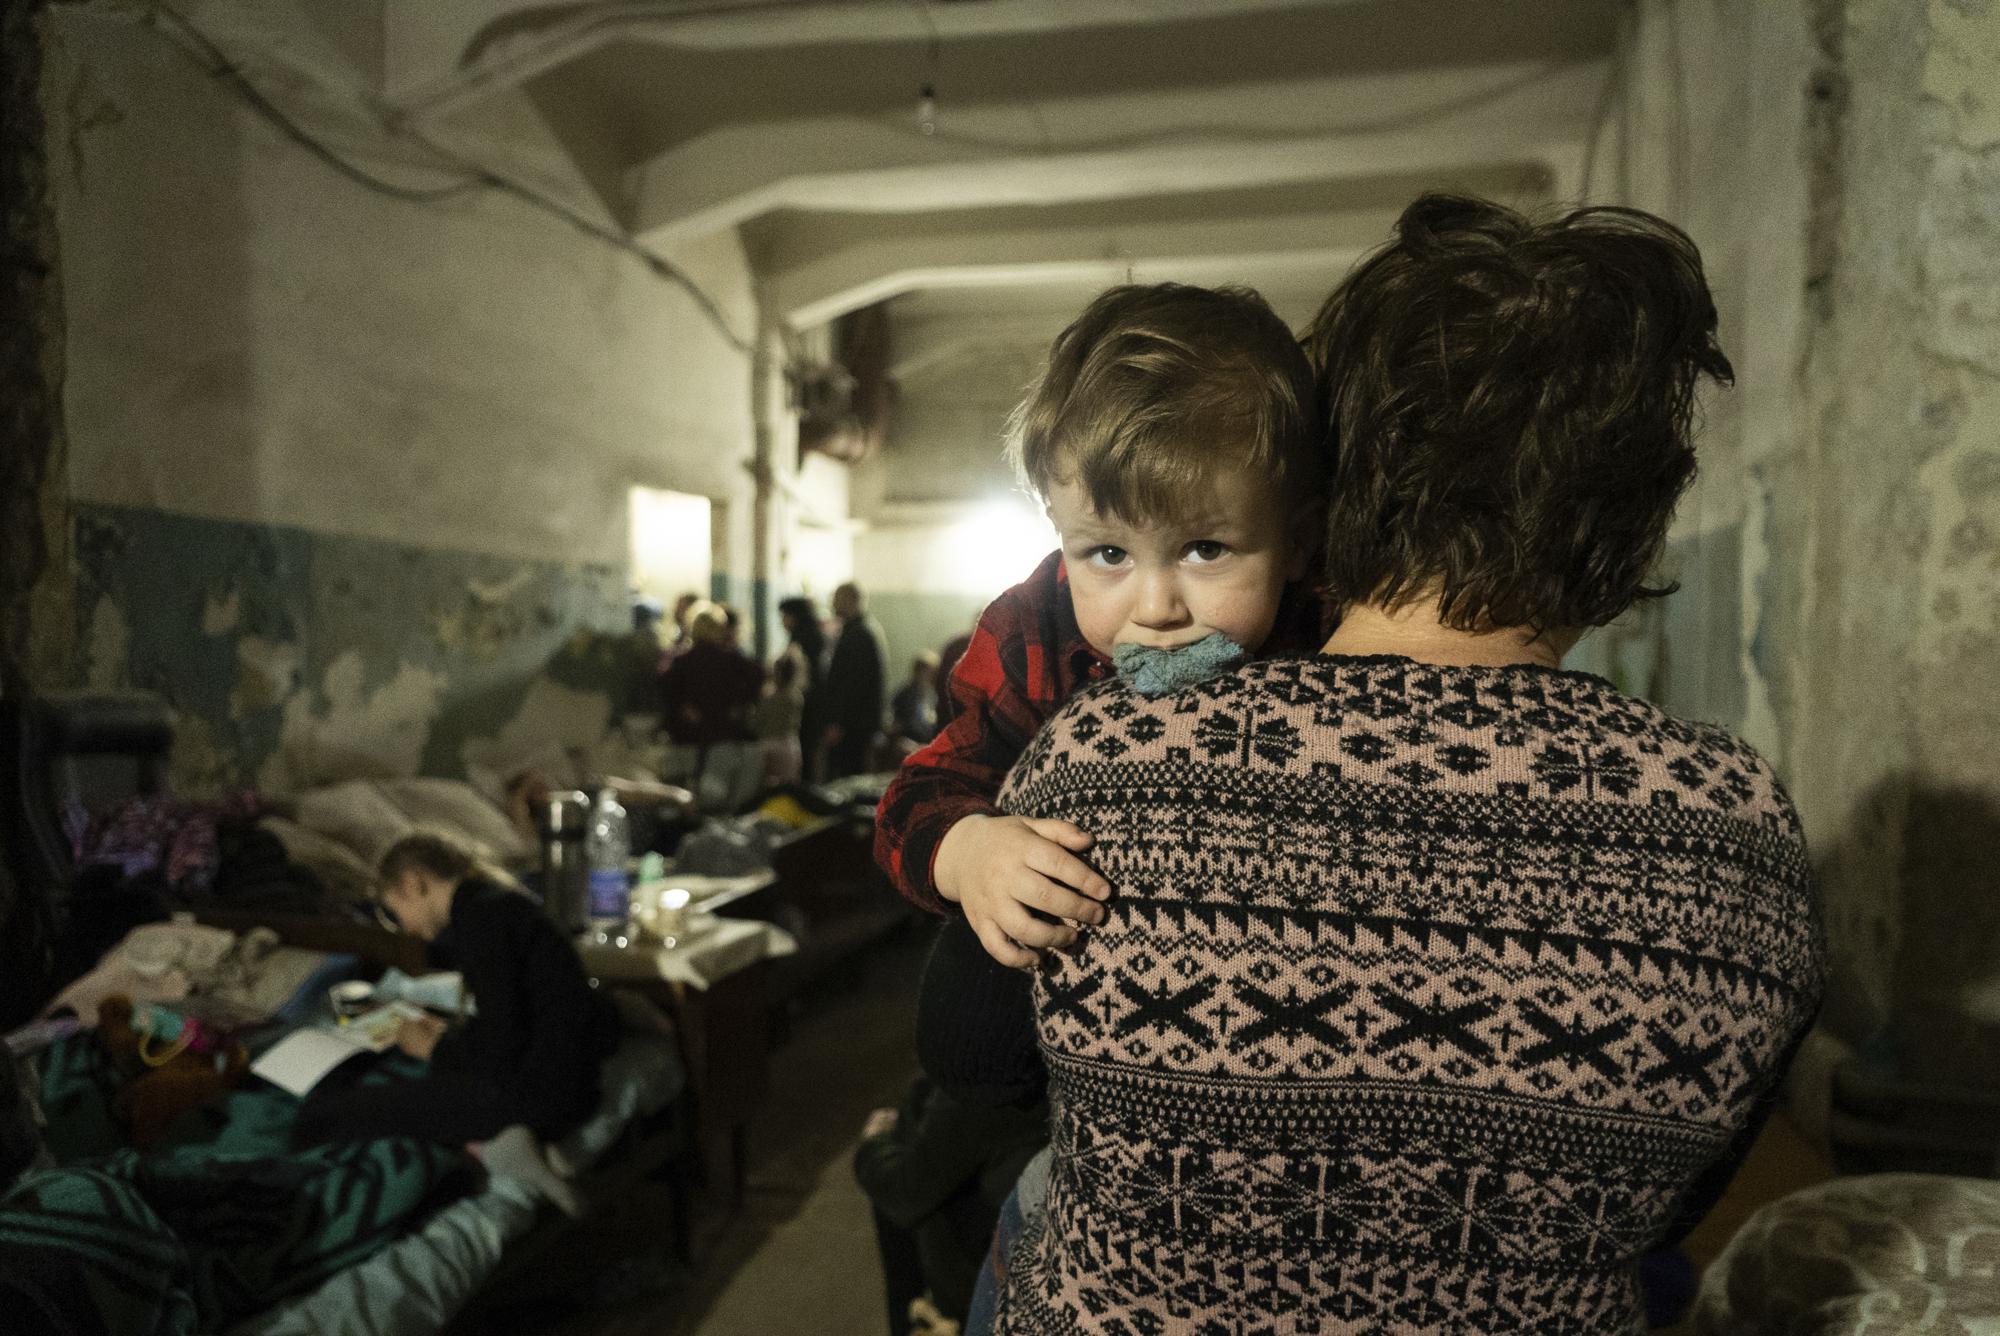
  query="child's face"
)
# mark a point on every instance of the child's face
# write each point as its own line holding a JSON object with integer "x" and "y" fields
{"x": 421, "y": 904}
{"x": 1164, "y": 584}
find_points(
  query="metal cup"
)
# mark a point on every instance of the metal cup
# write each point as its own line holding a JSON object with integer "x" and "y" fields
{"x": 565, "y": 869}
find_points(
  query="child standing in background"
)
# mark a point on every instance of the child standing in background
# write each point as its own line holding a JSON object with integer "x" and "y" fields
{"x": 913, "y": 709}
{"x": 779, "y": 716}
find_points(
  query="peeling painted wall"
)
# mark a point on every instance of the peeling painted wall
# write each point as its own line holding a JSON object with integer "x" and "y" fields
{"x": 295, "y": 657}
{"x": 1839, "y": 163}
{"x": 1900, "y": 723}
{"x": 255, "y": 337}
{"x": 350, "y": 474}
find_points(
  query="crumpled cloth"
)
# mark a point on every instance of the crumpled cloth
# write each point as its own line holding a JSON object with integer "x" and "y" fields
{"x": 1860, "y": 1254}
{"x": 158, "y": 832}
{"x": 1160, "y": 672}
{"x": 245, "y": 978}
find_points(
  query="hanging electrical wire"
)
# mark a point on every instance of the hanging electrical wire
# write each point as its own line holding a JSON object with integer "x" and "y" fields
{"x": 469, "y": 177}
{"x": 1212, "y": 131}
{"x": 933, "y": 66}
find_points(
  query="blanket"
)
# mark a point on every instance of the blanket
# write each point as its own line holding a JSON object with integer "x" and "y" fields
{"x": 1875, "y": 1253}
{"x": 220, "y": 1223}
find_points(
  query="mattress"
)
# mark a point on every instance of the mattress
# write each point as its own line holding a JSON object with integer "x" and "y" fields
{"x": 419, "y": 1283}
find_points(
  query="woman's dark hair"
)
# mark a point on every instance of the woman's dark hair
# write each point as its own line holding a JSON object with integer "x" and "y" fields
{"x": 1509, "y": 405}
{"x": 802, "y": 620}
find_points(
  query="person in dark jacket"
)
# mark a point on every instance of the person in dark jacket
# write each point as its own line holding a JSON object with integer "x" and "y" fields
{"x": 937, "y": 1169}
{"x": 706, "y": 696}
{"x": 856, "y": 686}
{"x": 525, "y": 1069}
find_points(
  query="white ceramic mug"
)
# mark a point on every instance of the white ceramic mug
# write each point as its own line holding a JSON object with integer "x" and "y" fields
{"x": 350, "y": 999}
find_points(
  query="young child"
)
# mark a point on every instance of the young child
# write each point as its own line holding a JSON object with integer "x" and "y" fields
{"x": 524, "y": 1070}
{"x": 913, "y": 709}
{"x": 777, "y": 716}
{"x": 1172, "y": 438}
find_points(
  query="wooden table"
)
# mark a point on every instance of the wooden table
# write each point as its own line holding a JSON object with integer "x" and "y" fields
{"x": 723, "y": 1015}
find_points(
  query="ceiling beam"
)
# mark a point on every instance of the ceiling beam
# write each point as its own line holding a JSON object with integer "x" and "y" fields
{"x": 854, "y": 266}
{"x": 815, "y": 265}
{"x": 446, "y": 53}
{"x": 1399, "y": 123}
{"x": 925, "y": 346}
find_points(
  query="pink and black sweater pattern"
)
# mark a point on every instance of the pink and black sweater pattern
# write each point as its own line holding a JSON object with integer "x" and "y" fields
{"x": 1429, "y": 1000}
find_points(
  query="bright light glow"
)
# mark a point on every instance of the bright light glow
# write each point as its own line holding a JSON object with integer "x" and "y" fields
{"x": 974, "y": 552}
{"x": 993, "y": 547}
{"x": 820, "y": 557}
{"x": 671, "y": 552}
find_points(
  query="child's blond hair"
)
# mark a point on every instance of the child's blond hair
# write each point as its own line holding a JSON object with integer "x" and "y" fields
{"x": 442, "y": 855}
{"x": 1156, "y": 390}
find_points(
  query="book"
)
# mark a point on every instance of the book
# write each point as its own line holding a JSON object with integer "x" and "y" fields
{"x": 301, "y": 1060}
{"x": 376, "y": 1030}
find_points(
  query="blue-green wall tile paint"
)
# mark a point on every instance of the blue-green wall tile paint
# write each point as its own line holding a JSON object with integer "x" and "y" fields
{"x": 913, "y": 622}
{"x": 158, "y": 572}
{"x": 234, "y": 623}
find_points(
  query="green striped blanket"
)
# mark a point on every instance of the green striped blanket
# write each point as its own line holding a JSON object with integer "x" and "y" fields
{"x": 193, "y": 1237}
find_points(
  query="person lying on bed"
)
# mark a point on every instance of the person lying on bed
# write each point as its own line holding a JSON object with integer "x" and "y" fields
{"x": 525, "y": 1069}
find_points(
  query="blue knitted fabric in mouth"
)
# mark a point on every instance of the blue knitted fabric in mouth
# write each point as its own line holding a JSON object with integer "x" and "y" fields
{"x": 1157, "y": 672}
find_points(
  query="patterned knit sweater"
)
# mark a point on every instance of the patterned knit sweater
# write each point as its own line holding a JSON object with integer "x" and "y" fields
{"x": 1426, "y": 998}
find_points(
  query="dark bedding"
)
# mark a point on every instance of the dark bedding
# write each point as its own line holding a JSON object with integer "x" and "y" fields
{"x": 220, "y": 1221}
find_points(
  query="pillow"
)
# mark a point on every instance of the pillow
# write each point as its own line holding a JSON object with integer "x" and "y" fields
{"x": 356, "y": 814}
{"x": 455, "y": 806}
{"x": 338, "y": 867}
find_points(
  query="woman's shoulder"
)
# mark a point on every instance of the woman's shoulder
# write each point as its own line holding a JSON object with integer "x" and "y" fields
{"x": 1671, "y": 760}
{"x": 1513, "y": 734}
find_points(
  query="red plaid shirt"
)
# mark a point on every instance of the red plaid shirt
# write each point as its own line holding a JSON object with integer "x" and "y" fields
{"x": 1026, "y": 658}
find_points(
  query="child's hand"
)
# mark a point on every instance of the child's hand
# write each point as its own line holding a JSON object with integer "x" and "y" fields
{"x": 419, "y": 1038}
{"x": 997, "y": 868}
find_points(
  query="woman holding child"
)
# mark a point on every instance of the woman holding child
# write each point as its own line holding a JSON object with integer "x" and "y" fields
{"x": 1434, "y": 984}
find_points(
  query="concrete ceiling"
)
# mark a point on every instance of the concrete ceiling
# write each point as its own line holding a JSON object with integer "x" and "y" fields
{"x": 1074, "y": 143}
{"x": 1289, "y": 241}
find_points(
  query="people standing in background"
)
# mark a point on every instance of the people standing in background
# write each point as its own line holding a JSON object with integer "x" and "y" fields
{"x": 855, "y": 686}
{"x": 913, "y": 709}
{"x": 808, "y": 640}
{"x": 683, "y": 607}
{"x": 778, "y": 716}
{"x": 639, "y": 670}
{"x": 706, "y": 696}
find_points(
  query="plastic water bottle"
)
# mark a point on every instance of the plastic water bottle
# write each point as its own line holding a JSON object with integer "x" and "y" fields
{"x": 605, "y": 849}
